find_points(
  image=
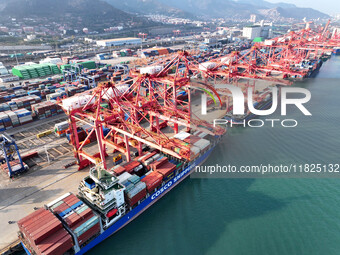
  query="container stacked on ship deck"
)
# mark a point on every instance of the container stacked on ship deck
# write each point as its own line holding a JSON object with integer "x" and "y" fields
{"x": 152, "y": 181}
{"x": 43, "y": 233}
{"x": 132, "y": 167}
{"x": 198, "y": 145}
{"x": 164, "y": 167}
{"x": 135, "y": 190}
{"x": 81, "y": 222}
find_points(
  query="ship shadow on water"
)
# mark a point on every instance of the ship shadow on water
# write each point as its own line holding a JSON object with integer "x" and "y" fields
{"x": 191, "y": 218}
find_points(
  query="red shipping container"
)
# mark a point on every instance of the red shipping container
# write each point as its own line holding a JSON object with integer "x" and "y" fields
{"x": 166, "y": 169}
{"x": 28, "y": 224}
{"x": 59, "y": 237}
{"x": 60, "y": 208}
{"x": 29, "y": 155}
{"x": 71, "y": 196}
{"x": 35, "y": 223}
{"x": 152, "y": 181}
{"x": 84, "y": 219}
{"x": 72, "y": 201}
{"x": 157, "y": 164}
{"x": 30, "y": 229}
{"x": 136, "y": 198}
{"x": 88, "y": 234}
{"x": 148, "y": 156}
{"x": 45, "y": 231}
{"x": 192, "y": 139}
{"x": 119, "y": 170}
{"x": 59, "y": 248}
{"x": 72, "y": 219}
{"x": 78, "y": 219}
{"x": 131, "y": 165}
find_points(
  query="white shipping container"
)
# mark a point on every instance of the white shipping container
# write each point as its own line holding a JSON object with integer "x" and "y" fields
{"x": 21, "y": 120}
{"x": 51, "y": 61}
{"x": 156, "y": 157}
{"x": 122, "y": 88}
{"x": 123, "y": 177}
{"x": 141, "y": 158}
{"x": 151, "y": 69}
{"x": 269, "y": 42}
{"x": 225, "y": 60}
{"x": 194, "y": 150}
{"x": 202, "y": 134}
{"x": 182, "y": 135}
{"x": 77, "y": 102}
{"x": 202, "y": 144}
{"x": 61, "y": 126}
{"x": 207, "y": 66}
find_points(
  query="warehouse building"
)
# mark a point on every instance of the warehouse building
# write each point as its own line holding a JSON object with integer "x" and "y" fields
{"x": 119, "y": 41}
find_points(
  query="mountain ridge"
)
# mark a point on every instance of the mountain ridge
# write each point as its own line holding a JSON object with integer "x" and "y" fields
{"x": 88, "y": 13}
{"x": 215, "y": 8}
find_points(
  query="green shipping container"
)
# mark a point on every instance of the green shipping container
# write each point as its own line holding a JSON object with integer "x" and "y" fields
{"x": 88, "y": 64}
{"x": 105, "y": 105}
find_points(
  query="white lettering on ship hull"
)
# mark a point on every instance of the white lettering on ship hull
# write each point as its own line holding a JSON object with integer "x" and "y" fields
{"x": 169, "y": 184}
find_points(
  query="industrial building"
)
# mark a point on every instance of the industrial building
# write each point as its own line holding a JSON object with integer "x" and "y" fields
{"x": 258, "y": 30}
{"x": 119, "y": 41}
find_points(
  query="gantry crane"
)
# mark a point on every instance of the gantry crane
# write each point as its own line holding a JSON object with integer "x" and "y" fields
{"x": 10, "y": 154}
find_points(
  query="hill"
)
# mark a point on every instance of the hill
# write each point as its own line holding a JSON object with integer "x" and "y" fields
{"x": 149, "y": 7}
{"x": 217, "y": 8}
{"x": 85, "y": 13}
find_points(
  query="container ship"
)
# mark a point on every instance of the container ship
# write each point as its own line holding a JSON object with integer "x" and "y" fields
{"x": 109, "y": 200}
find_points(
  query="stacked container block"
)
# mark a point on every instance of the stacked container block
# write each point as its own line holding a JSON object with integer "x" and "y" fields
{"x": 77, "y": 216}
{"x": 45, "y": 110}
{"x": 24, "y": 116}
{"x": 35, "y": 71}
{"x": 44, "y": 233}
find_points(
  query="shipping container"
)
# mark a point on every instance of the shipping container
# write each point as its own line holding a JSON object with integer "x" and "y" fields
{"x": 152, "y": 181}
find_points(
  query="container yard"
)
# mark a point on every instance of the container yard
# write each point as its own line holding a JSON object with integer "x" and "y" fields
{"x": 103, "y": 143}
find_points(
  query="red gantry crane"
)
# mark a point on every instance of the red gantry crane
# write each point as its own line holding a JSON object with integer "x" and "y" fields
{"x": 137, "y": 112}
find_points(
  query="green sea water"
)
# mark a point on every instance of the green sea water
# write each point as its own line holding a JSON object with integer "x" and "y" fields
{"x": 254, "y": 216}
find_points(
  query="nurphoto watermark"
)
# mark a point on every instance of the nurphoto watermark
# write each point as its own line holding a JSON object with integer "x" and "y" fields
{"x": 239, "y": 108}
